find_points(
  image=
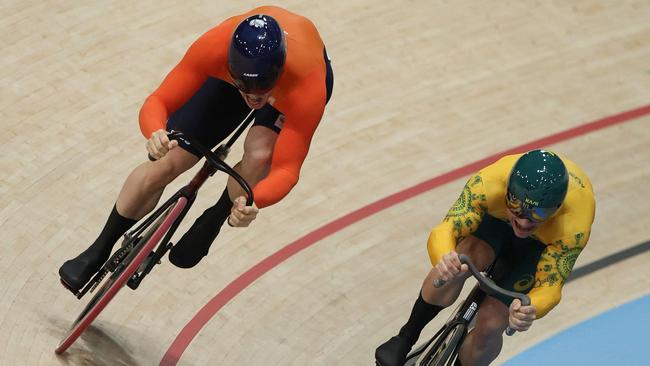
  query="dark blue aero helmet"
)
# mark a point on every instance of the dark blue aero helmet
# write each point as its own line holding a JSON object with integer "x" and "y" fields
{"x": 257, "y": 54}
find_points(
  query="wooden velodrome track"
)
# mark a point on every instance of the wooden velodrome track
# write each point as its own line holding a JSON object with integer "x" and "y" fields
{"x": 421, "y": 88}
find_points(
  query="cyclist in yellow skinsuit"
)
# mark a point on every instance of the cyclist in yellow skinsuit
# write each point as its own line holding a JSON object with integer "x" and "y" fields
{"x": 534, "y": 213}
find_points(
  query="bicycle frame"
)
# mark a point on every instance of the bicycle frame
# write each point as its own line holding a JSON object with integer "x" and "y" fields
{"x": 462, "y": 317}
{"x": 120, "y": 276}
{"x": 135, "y": 259}
{"x": 435, "y": 352}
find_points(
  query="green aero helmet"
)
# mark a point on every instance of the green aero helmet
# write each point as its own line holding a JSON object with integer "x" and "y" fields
{"x": 537, "y": 185}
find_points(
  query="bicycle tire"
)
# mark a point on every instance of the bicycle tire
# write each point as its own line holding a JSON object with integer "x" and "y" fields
{"x": 444, "y": 347}
{"x": 118, "y": 279}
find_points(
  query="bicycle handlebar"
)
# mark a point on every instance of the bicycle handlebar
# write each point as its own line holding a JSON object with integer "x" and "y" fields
{"x": 215, "y": 161}
{"x": 487, "y": 284}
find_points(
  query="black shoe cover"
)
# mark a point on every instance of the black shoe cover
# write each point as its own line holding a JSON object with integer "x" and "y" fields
{"x": 78, "y": 271}
{"x": 196, "y": 242}
{"x": 393, "y": 352}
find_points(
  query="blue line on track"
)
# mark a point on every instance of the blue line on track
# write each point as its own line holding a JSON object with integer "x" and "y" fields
{"x": 616, "y": 337}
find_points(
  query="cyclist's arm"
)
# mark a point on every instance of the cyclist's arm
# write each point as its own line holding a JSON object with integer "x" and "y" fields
{"x": 462, "y": 219}
{"x": 553, "y": 269}
{"x": 201, "y": 59}
{"x": 292, "y": 145}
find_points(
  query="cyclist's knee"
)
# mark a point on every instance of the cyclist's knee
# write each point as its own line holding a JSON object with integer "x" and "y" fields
{"x": 486, "y": 333}
{"x": 162, "y": 172}
{"x": 478, "y": 250}
{"x": 445, "y": 295}
{"x": 258, "y": 148}
{"x": 491, "y": 322}
{"x": 258, "y": 158}
{"x": 157, "y": 175}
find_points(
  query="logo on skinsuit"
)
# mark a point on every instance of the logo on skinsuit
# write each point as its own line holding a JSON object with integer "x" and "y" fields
{"x": 525, "y": 283}
{"x": 280, "y": 121}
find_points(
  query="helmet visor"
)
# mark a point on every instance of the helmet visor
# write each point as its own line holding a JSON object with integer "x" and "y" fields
{"x": 525, "y": 211}
{"x": 253, "y": 86}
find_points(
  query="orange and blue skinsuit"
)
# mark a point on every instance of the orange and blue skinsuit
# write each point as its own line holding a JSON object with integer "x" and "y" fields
{"x": 300, "y": 93}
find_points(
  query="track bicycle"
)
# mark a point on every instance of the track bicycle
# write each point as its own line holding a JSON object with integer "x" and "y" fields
{"x": 145, "y": 245}
{"x": 442, "y": 349}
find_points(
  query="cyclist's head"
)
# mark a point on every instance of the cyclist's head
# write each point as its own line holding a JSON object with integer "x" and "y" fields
{"x": 537, "y": 185}
{"x": 257, "y": 54}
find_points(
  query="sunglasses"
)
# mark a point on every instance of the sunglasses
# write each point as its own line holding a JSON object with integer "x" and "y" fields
{"x": 524, "y": 211}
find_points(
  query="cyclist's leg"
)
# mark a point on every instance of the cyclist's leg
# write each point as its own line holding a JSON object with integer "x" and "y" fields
{"x": 212, "y": 113}
{"x": 144, "y": 186}
{"x": 256, "y": 161}
{"x": 430, "y": 302}
{"x": 394, "y": 351}
{"x": 258, "y": 148}
{"x": 518, "y": 261}
{"x": 482, "y": 246}
{"x": 139, "y": 195}
{"x": 215, "y": 101}
{"x": 483, "y": 344}
{"x": 221, "y": 110}
{"x": 146, "y": 183}
{"x": 481, "y": 253}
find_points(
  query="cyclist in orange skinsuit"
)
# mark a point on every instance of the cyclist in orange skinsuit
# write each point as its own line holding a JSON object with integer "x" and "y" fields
{"x": 268, "y": 59}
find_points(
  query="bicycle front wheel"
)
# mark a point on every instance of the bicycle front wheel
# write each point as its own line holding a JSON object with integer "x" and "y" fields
{"x": 442, "y": 351}
{"x": 118, "y": 279}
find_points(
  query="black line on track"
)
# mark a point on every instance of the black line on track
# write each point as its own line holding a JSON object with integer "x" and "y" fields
{"x": 609, "y": 260}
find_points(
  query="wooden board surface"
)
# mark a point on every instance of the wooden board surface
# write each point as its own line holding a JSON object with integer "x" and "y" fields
{"x": 421, "y": 88}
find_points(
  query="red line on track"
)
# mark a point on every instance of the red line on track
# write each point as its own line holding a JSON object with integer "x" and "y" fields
{"x": 192, "y": 328}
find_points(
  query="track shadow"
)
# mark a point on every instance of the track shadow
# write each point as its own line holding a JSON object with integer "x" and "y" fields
{"x": 94, "y": 347}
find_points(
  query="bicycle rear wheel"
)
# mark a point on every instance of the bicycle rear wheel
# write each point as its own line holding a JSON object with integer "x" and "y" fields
{"x": 442, "y": 351}
{"x": 121, "y": 275}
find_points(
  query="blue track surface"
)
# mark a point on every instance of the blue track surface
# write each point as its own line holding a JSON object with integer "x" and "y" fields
{"x": 617, "y": 337}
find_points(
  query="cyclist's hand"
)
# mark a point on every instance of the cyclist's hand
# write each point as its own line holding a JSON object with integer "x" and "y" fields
{"x": 521, "y": 317}
{"x": 242, "y": 215}
{"x": 158, "y": 145}
{"x": 450, "y": 267}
